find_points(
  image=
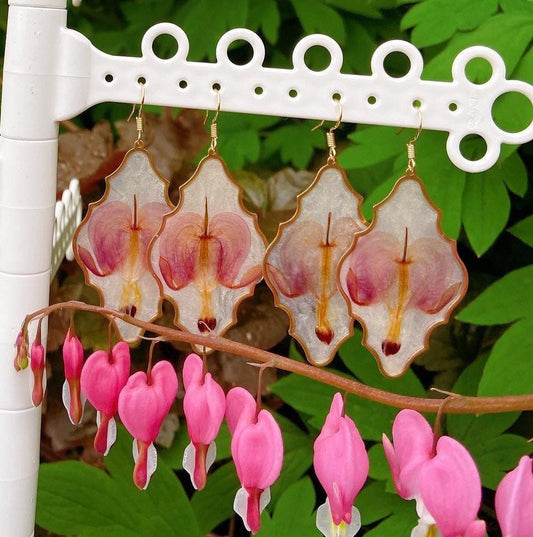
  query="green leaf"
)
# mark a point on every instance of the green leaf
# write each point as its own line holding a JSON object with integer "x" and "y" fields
{"x": 372, "y": 145}
{"x": 515, "y": 176}
{"x": 508, "y": 370}
{"x": 74, "y": 498}
{"x": 436, "y": 21}
{"x": 375, "y": 503}
{"x": 295, "y": 144}
{"x": 524, "y": 230}
{"x": 506, "y": 300}
{"x": 214, "y": 503}
{"x": 401, "y": 522}
{"x": 494, "y": 33}
{"x": 443, "y": 180}
{"x": 264, "y": 15}
{"x": 293, "y": 514}
{"x": 316, "y": 17}
{"x": 363, "y": 365}
{"x": 486, "y": 207}
{"x": 360, "y": 46}
{"x": 223, "y": 16}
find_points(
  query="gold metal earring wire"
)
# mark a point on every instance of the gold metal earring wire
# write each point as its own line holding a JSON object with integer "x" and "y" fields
{"x": 411, "y": 163}
{"x": 330, "y": 135}
{"x": 214, "y": 125}
{"x": 139, "y": 120}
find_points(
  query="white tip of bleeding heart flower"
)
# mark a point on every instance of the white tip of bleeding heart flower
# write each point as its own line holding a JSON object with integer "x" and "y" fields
{"x": 189, "y": 461}
{"x": 240, "y": 504}
{"x": 325, "y": 524}
{"x": 111, "y": 431}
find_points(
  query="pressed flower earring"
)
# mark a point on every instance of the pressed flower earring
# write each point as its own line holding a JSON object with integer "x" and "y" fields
{"x": 209, "y": 251}
{"x": 402, "y": 275}
{"x": 301, "y": 263}
{"x": 111, "y": 243}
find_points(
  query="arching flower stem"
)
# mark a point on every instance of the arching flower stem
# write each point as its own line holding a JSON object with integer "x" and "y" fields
{"x": 456, "y": 405}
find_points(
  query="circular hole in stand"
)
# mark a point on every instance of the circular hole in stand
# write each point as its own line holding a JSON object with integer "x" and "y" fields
{"x": 258, "y": 90}
{"x": 478, "y": 70}
{"x": 165, "y": 46}
{"x": 317, "y": 58}
{"x": 397, "y": 64}
{"x": 141, "y": 80}
{"x": 417, "y": 103}
{"x": 216, "y": 86}
{"x": 183, "y": 84}
{"x": 240, "y": 52}
{"x": 452, "y": 107}
{"x": 109, "y": 77}
{"x": 337, "y": 97}
{"x": 473, "y": 147}
{"x": 293, "y": 93}
{"x": 372, "y": 99}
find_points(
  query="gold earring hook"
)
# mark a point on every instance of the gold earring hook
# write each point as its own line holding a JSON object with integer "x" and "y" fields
{"x": 214, "y": 124}
{"x": 411, "y": 163}
{"x": 330, "y": 135}
{"x": 139, "y": 120}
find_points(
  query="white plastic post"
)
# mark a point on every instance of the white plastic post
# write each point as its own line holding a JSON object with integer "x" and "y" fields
{"x": 28, "y": 150}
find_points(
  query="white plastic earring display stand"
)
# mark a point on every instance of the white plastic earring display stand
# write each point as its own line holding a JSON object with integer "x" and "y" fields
{"x": 52, "y": 73}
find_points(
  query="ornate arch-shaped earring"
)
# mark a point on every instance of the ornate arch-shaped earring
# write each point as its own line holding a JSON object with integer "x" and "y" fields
{"x": 111, "y": 243}
{"x": 208, "y": 254}
{"x": 402, "y": 276}
{"x": 301, "y": 263}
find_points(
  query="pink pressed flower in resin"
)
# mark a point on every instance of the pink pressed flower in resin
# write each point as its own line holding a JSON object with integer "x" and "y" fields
{"x": 204, "y": 406}
{"x": 302, "y": 262}
{"x": 102, "y": 378}
{"x": 402, "y": 277}
{"x": 142, "y": 406}
{"x": 514, "y": 500}
{"x": 208, "y": 254}
{"x": 111, "y": 243}
{"x": 341, "y": 465}
{"x": 257, "y": 450}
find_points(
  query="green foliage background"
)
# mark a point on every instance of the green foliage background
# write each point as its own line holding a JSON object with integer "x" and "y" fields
{"x": 485, "y": 351}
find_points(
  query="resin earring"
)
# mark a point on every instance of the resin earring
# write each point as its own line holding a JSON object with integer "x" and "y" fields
{"x": 209, "y": 251}
{"x": 112, "y": 241}
{"x": 402, "y": 275}
{"x": 301, "y": 263}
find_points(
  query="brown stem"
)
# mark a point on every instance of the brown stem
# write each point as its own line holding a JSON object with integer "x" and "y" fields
{"x": 459, "y": 405}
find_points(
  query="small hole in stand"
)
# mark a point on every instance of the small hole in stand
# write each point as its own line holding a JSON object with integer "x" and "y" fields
{"x": 473, "y": 147}
{"x": 141, "y": 80}
{"x": 258, "y": 90}
{"x": 109, "y": 77}
{"x": 452, "y": 107}
{"x": 293, "y": 93}
{"x": 183, "y": 84}
{"x": 336, "y": 97}
{"x": 216, "y": 86}
{"x": 417, "y": 103}
{"x": 372, "y": 100}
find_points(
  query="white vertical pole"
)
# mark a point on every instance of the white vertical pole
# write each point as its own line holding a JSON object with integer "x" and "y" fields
{"x": 28, "y": 151}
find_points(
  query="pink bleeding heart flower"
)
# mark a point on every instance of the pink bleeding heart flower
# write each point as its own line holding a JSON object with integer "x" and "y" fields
{"x": 441, "y": 477}
{"x": 143, "y": 404}
{"x": 341, "y": 465}
{"x": 102, "y": 378}
{"x": 257, "y": 450}
{"x": 514, "y": 500}
{"x": 413, "y": 446}
{"x": 450, "y": 488}
{"x": 204, "y": 406}
{"x": 21, "y": 358}
{"x": 37, "y": 364}
{"x": 72, "y": 364}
